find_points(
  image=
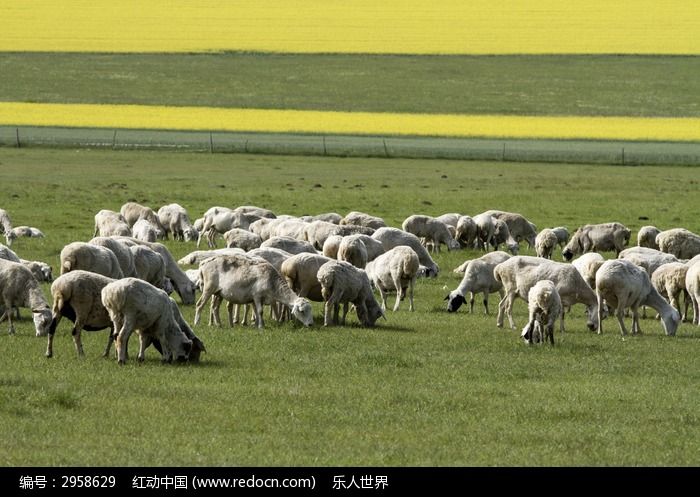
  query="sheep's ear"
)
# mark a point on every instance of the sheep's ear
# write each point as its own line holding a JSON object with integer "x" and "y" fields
{"x": 447, "y": 297}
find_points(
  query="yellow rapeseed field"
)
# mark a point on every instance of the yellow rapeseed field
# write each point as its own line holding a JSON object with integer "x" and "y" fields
{"x": 359, "y": 123}
{"x": 353, "y": 26}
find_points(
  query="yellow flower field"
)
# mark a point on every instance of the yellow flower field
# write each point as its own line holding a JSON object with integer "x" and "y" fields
{"x": 353, "y": 26}
{"x": 359, "y": 123}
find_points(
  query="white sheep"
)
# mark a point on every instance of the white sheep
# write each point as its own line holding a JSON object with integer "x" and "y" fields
{"x": 587, "y": 265}
{"x": 545, "y": 242}
{"x": 501, "y": 235}
{"x": 81, "y": 255}
{"x": 197, "y": 256}
{"x": 132, "y": 212}
{"x": 431, "y": 229}
{"x": 175, "y": 219}
{"x": 288, "y": 244}
{"x": 25, "y": 231}
{"x": 19, "y": 288}
{"x": 465, "y": 232}
{"x": 597, "y": 238}
{"x": 478, "y": 278}
{"x": 622, "y": 285}
{"x": 150, "y": 266}
{"x": 485, "y": 226}
{"x": 395, "y": 271}
{"x": 241, "y": 279}
{"x": 362, "y": 219}
{"x": 134, "y": 304}
{"x": 122, "y": 252}
{"x": 110, "y": 223}
{"x": 647, "y": 258}
{"x": 329, "y": 217}
{"x": 6, "y": 226}
{"x": 519, "y": 274}
{"x": 544, "y": 308}
{"x": 219, "y": 220}
{"x": 353, "y": 250}
{"x": 680, "y": 242}
{"x": 450, "y": 219}
{"x": 316, "y": 232}
{"x": 291, "y": 228}
{"x": 393, "y": 237}
{"x": 669, "y": 281}
{"x": 692, "y": 285}
{"x": 646, "y": 237}
{"x": 520, "y": 228}
{"x": 562, "y": 235}
{"x": 343, "y": 283}
{"x": 41, "y": 271}
{"x": 301, "y": 273}
{"x": 146, "y": 231}
{"x": 331, "y": 246}
{"x": 242, "y": 239}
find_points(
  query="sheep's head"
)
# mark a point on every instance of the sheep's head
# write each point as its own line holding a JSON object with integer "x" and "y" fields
{"x": 191, "y": 234}
{"x": 453, "y": 245}
{"x": 302, "y": 310}
{"x": 454, "y": 301}
{"x": 670, "y": 322}
{"x": 42, "y": 320}
{"x": 514, "y": 248}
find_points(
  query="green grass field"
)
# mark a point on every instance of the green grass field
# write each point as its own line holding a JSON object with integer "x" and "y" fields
{"x": 426, "y": 388}
{"x": 648, "y": 86}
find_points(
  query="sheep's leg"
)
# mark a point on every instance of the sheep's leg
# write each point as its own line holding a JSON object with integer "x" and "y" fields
{"x": 471, "y": 302}
{"x": 346, "y": 306}
{"x": 123, "y": 339}
{"x": 216, "y": 308}
{"x": 600, "y": 312}
{"x": 509, "y": 310}
{"x": 410, "y": 294}
{"x": 635, "y": 321}
{"x": 696, "y": 307}
{"x": 620, "y": 319}
{"x": 110, "y": 339}
{"x": 77, "y": 328}
{"x": 486, "y": 302}
{"x": 259, "y": 311}
{"x": 686, "y": 299}
{"x": 328, "y": 313}
{"x": 229, "y": 311}
{"x": 143, "y": 343}
{"x": 200, "y": 305}
{"x": 56, "y": 318}
{"x": 501, "y": 311}
{"x": 235, "y": 314}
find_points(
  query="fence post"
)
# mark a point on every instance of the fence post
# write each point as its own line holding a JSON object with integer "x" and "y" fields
{"x": 17, "y": 137}
{"x": 114, "y": 140}
{"x": 324, "y": 146}
{"x": 386, "y": 151}
{"x": 503, "y": 155}
{"x": 211, "y": 143}
{"x": 623, "y": 156}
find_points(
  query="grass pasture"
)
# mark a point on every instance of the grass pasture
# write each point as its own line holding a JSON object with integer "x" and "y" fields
{"x": 424, "y": 388}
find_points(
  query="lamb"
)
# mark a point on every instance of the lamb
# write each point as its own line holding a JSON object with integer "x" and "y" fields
{"x": 519, "y": 227}
{"x": 25, "y": 231}
{"x": 146, "y": 231}
{"x": 110, "y": 223}
{"x": 623, "y": 285}
{"x": 242, "y": 239}
{"x": 198, "y": 256}
{"x": 19, "y": 288}
{"x": 300, "y": 271}
{"x": 132, "y": 212}
{"x": 587, "y": 265}
{"x": 288, "y": 244}
{"x": 465, "y": 232}
{"x": 395, "y": 270}
{"x": 342, "y": 283}
{"x": 175, "y": 220}
{"x": 241, "y": 280}
{"x": 100, "y": 260}
{"x": 519, "y": 274}
{"x": 431, "y": 229}
{"x": 363, "y": 219}
{"x": 478, "y": 278}
{"x": 597, "y": 238}
{"x": 680, "y": 242}
{"x": 134, "y": 304}
{"x": 6, "y": 226}
{"x": 669, "y": 281}
{"x": 501, "y": 235}
{"x": 392, "y": 237}
{"x": 692, "y": 285}
{"x": 353, "y": 250}
{"x": 562, "y": 236}
{"x": 545, "y": 242}
{"x": 544, "y": 306}
{"x": 331, "y": 246}
{"x": 646, "y": 237}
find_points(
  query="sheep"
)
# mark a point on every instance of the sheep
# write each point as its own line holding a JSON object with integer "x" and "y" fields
{"x": 450, "y": 219}
{"x": 81, "y": 255}
{"x": 132, "y": 212}
{"x": 241, "y": 279}
{"x": 692, "y": 285}
{"x": 145, "y": 230}
{"x": 40, "y": 270}
{"x": 519, "y": 227}
{"x": 175, "y": 220}
{"x": 252, "y": 213}
{"x": 363, "y": 219}
{"x": 431, "y": 229}
{"x": 519, "y": 274}
{"x": 193, "y": 276}
{"x": 261, "y": 227}
{"x": 353, "y": 250}
{"x": 545, "y": 242}
{"x": 395, "y": 270}
{"x": 562, "y": 236}
{"x": 587, "y": 265}
{"x": 680, "y": 242}
{"x": 342, "y": 283}
{"x": 6, "y": 226}
{"x": 622, "y": 284}
{"x": 134, "y": 304}
{"x": 149, "y": 266}
{"x": 19, "y": 288}
{"x": 646, "y": 237}
{"x": 220, "y": 220}
{"x": 392, "y": 237}
{"x": 647, "y": 258}
{"x": 331, "y": 246}
{"x": 197, "y": 344}
{"x": 317, "y": 232}
{"x": 330, "y": 217}
{"x": 300, "y": 271}
{"x": 597, "y": 238}
{"x": 353, "y": 229}
{"x": 243, "y": 239}
{"x": 501, "y": 235}
{"x": 669, "y": 281}
{"x": 288, "y": 244}
{"x": 198, "y": 256}
{"x": 8, "y": 254}
{"x": 465, "y": 232}
{"x": 25, "y": 231}
{"x": 485, "y": 225}
{"x": 544, "y": 308}
{"x": 110, "y": 223}
{"x": 478, "y": 278}
{"x": 124, "y": 255}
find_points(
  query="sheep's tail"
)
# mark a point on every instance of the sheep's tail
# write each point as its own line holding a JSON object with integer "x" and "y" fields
{"x": 66, "y": 266}
{"x": 497, "y": 275}
{"x": 410, "y": 266}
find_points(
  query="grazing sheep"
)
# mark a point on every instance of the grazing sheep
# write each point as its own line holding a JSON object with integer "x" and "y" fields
{"x": 342, "y": 283}
{"x": 8, "y": 254}
{"x": 329, "y": 217}
{"x": 242, "y": 239}
{"x": 597, "y": 238}
{"x": 646, "y": 237}
{"x": 193, "y": 275}
{"x": 450, "y": 219}
{"x": 124, "y": 255}
{"x": 647, "y": 258}
{"x": 175, "y": 220}
{"x": 132, "y": 212}
{"x": 363, "y": 219}
{"x": 669, "y": 281}
{"x": 262, "y": 227}
{"x": 485, "y": 226}
{"x": 544, "y": 306}
{"x": 692, "y": 285}
{"x": 100, "y": 260}
{"x": 562, "y": 236}
{"x": 274, "y": 256}
{"x": 395, "y": 270}
{"x": 478, "y": 278}
{"x": 431, "y": 229}
{"x": 393, "y": 237}
{"x": 465, "y": 232}
{"x": 519, "y": 227}
{"x": 300, "y": 271}
{"x": 545, "y": 242}
{"x": 41, "y": 271}
{"x": 198, "y": 256}
{"x": 110, "y": 223}
{"x": 134, "y": 304}
{"x": 25, "y": 231}
{"x": 353, "y": 229}
{"x": 501, "y": 235}
{"x": 587, "y": 265}
{"x": 220, "y": 220}
{"x": 331, "y": 246}
{"x": 680, "y": 242}
{"x": 241, "y": 279}
{"x": 353, "y": 250}
{"x": 519, "y": 274}
{"x": 145, "y": 231}
{"x": 19, "y": 288}
{"x": 288, "y": 244}
{"x": 149, "y": 266}
{"x": 624, "y": 285}
{"x": 317, "y": 232}
{"x": 6, "y": 226}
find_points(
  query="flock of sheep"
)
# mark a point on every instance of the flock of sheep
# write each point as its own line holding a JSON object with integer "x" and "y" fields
{"x": 121, "y": 279}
